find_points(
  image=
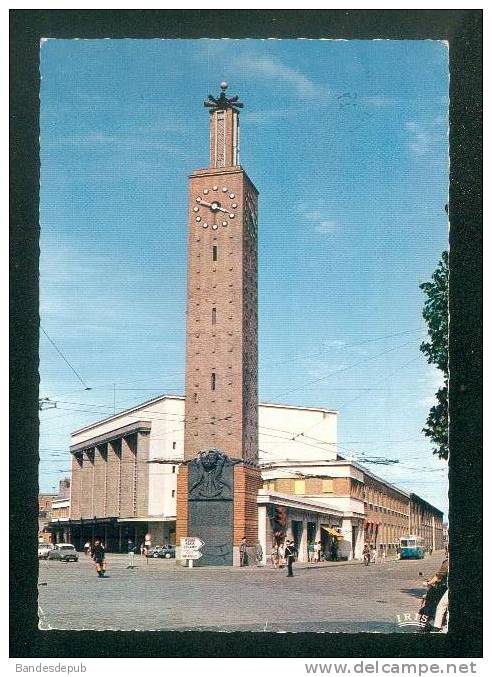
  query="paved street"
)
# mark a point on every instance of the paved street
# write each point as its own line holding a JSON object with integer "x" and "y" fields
{"x": 158, "y": 595}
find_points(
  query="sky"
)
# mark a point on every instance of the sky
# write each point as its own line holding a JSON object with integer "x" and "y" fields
{"x": 347, "y": 143}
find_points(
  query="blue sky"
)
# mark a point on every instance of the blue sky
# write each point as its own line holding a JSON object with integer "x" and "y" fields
{"x": 346, "y": 142}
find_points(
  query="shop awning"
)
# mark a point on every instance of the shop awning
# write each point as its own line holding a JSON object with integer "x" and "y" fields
{"x": 331, "y": 532}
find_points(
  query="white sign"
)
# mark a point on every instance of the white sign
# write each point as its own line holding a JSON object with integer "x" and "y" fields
{"x": 190, "y": 547}
{"x": 191, "y": 554}
{"x": 192, "y": 542}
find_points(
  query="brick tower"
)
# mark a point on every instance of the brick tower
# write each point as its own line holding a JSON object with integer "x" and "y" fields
{"x": 216, "y": 498}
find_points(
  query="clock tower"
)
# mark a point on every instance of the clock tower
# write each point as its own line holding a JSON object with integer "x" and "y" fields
{"x": 219, "y": 480}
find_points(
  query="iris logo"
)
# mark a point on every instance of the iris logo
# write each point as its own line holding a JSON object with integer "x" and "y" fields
{"x": 403, "y": 620}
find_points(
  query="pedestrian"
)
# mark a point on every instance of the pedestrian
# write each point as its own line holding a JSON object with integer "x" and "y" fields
{"x": 274, "y": 557}
{"x": 317, "y": 551}
{"x": 334, "y": 550}
{"x": 258, "y": 554}
{"x": 310, "y": 550}
{"x": 87, "y": 549}
{"x": 243, "y": 553}
{"x": 290, "y": 555}
{"x": 98, "y": 555}
{"x": 281, "y": 555}
{"x": 366, "y": 554}
{"x": 131, "y": 554}
{"x": 373, "y": 554}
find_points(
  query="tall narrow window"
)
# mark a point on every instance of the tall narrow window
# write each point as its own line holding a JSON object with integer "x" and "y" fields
{"x": 214, "y": 315}
{"x": 214, "y": 252}
{"x": 213, "y": 379}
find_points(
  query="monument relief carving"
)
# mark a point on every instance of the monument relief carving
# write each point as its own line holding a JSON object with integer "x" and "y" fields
{"x": 210, "y": 476}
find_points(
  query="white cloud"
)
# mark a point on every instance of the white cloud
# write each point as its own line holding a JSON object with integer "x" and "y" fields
{"x": 380, "y": 100}
{"x": 325, "y": 227}
{"x": 269, "y": 67}
{"x": 423, "y": 137}
{"x": 317, "y": 217}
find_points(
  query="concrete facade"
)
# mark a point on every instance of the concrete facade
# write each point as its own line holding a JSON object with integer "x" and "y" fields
{"x": 338, "y": 492}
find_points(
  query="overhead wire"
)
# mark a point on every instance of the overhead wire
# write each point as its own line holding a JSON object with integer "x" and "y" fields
{"x": 64, "y": 358}
{"x": 287, "y": 360}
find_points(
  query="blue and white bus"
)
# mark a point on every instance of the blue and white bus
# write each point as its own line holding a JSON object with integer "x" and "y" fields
{"x": 412, "y": 547}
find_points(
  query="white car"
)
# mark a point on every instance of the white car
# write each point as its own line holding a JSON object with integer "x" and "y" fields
{"x": 44, "y": 550}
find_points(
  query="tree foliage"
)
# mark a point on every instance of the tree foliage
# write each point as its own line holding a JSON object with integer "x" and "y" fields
{"x": 435, "y": 314}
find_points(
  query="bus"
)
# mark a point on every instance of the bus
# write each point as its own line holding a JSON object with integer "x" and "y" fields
{"x": 412, "y": 547}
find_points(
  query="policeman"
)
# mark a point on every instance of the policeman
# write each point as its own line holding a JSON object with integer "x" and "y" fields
{"x": 290, "y": 554}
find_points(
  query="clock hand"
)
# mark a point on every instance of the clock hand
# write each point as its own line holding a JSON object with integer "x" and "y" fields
{"x": 210, "y": 204}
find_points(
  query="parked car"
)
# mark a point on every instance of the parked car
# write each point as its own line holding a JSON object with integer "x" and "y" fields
{"x": 162, "y": 551}
{"x": 65, "y": 552}
{"x": 44, "y": 550}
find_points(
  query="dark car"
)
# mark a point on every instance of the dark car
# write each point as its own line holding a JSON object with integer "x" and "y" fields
{"x": 162, "y": 551}
{"x": 65, "y": 552}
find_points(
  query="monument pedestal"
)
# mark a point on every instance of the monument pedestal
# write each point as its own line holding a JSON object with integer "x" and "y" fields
{"x": 216, "y": 501}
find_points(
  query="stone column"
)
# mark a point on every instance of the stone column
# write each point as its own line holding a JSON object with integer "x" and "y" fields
{"x": 100, "y": 464}
{"x": 128, "y": 477}
{"x": 359, "y": 544}
{"x": 302, "y": 556}
{"x": 76, "y": 486}
{"x": 113, "y": 479}
{"x": 87, "y": 480}
{"x": 346, "y": 544}
{"x": 142, "y": 457}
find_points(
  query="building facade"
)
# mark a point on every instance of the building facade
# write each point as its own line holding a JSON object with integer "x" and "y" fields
{"x": 426, "y": 521}
{"x": 44, "y": 516}
{"x": 317, "y": 493}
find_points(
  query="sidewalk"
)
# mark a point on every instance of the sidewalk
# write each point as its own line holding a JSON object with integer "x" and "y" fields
{"x": 323, "y": 565}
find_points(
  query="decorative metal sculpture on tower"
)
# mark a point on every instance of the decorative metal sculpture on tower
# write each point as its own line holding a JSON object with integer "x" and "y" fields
{"x": 224, "y": 128}
{"x": 221, "y": 407}
{"x": 223, "y": 102}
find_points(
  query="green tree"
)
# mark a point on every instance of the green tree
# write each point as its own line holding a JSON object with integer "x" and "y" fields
{"x": 435, "y": 314}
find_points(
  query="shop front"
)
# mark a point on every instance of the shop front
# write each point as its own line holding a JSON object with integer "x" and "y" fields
{"x": 283, "y": 517}
{"x": 113, "y": 532}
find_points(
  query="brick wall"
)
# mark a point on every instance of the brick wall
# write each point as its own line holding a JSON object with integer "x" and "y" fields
{"x": 181, "y": 503}
{"x": 247, "y": 482}
{"x": 284, "y": 486}
{"x": 341, "y": 486}
{"x": 224, "y": 417}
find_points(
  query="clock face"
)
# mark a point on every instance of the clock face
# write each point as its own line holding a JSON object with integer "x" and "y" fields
{"x": 215, "y": 207}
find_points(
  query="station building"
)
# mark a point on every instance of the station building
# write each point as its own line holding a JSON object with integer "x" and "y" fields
{"x": 124, "y": 484}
